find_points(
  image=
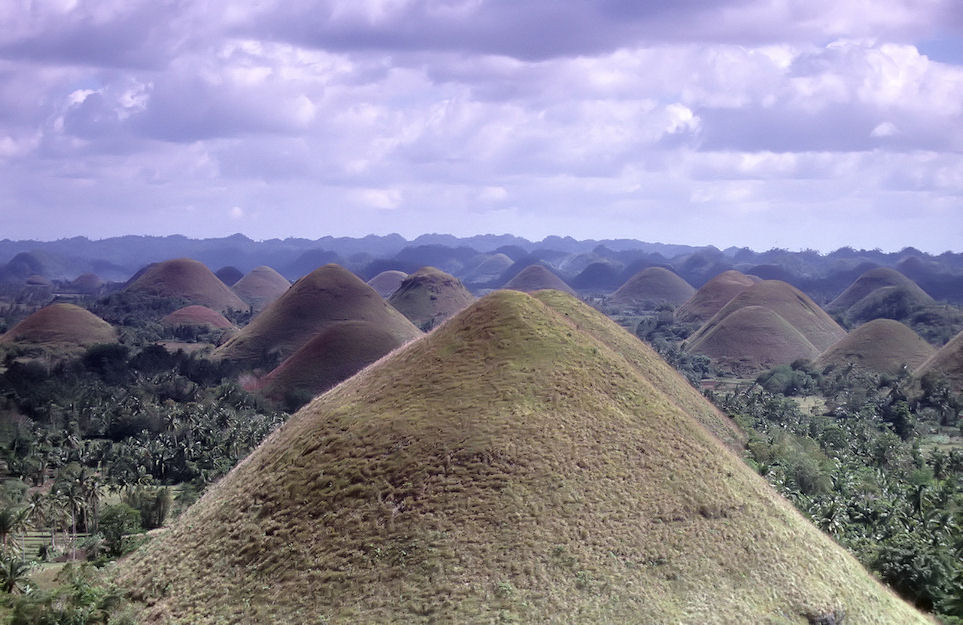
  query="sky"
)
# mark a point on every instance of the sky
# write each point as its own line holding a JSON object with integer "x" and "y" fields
{"x": 800, "y": 124}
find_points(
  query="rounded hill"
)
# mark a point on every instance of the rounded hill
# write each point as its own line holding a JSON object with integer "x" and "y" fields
{"x": 229, "y": 275}
{"x": 261, "y": 286}
{"x": 186, "y": 279}
{"x": 873, "y": 280}
{"x": 330, "y": 357}
{"x": 198, "y": 316}
{"x": 882, "y": 346}
{"x": 326, "y": 296}
{"x": 429, "y": 296}
{"x": 948, "y": 362}
{"x": 489, "y": 269}
{"x": 387, "y": 282}
{"x": 536, "y": 278}
{"x": 508, "y": 467}
{"x": 61, "y": 326}
{"x": 713, "y": 295}
{"x": 651, "y": 287}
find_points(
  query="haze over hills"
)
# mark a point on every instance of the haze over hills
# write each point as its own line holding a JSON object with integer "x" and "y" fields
{"x": 387, "y": 282}
{"x": 535, "y": 278}
{"x": 510, "y": 466}
{"x": 261, "y": 286}
{"x": 651, "y": 287}
{"x": 326, "y": 296}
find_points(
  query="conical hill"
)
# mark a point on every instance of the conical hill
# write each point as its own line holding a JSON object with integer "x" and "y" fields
{"x": 195, "y": 315}
{"x": 429, "y": 296}
{"x": 336, "y": 354}
{"x": 872, "y": 280}
{"x": 536, "y": 278}
{"x": 650, "y": 287}
{"x": 508, "y": 467}
{"x": 948, "y": 362}
{"x": 61, "y": 326}
{"x": 882, "y": 346}
{"x": 794, "y": 306}
{"x": 326, "y": 296}
{"x": 387, "y": 282}
{"x": 187, "y": 279}
{"x": 261, "y": 286}
{"x": 713, "y": 295}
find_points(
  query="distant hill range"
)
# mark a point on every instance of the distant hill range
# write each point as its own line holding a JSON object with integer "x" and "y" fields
{"x": 590, "y": 267}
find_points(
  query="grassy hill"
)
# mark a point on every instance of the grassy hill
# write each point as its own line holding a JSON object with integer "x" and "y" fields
{"x": 186, "y": 279}
{"x": 508, "y": 467}
{"x": 882, "y": 345}
{"x": 535, "y": 278}
{"x": 326, "y": 296}
{"x": 865, "y": 285}
{"x": 429, "y": 296}
{"x": 261, "y": 286}
{"x": 713, "y": 295}
{"x": 650, "y": 287}
{"x": 195, "y": 315}
{"x": 947, "y": 361}
{"x": 387, "y": 282}
{"x": 61, "y": 326}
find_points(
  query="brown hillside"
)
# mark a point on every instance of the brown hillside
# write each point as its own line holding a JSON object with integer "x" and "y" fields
{"x": 61, "y": 326}
{"x": 229, "y": 275}
{"x": 882, "y": 345}
{"x": 489, "y": 269}
{"x": 195, "y": 315}
{"x": 188, "y": 279}
{"x": 947, "y": 361}
{"x": 788, "y": 302}
{"x": 323, "y": 297}
{"x": 535, "y": 278}
{"x": 872, "y": 280}
{"x": 429, "y": 296}
{"x": 387, "y": 282}
{"x": 713, "y": 295}
{"x": 261, "y": 286}
{"x": 650, "y": 287}
{"x": 505, "y": 468}
{"x": 332, "y": 356}
{"x": 752, "y": 339}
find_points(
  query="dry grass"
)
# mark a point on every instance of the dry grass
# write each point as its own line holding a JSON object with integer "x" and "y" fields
{"x": 61, "y": 326}
{"x": 430, "y": 296}
{"x": 328, "y": 295}
{"x": 652, "y": 286}
{"x": 261, "y": 286}
{"x": 713, "y": 295}
{"x": 537, "y": 278}
{"x": 188, "y": 279}
{"x": 882, "y": 345}
{"x": 947, "y": 361}
{"x": 872, "y": 280}
{"x": 195, "y": 315}
{"x": 387, "y": 282}
{"x": 508, "y": 467}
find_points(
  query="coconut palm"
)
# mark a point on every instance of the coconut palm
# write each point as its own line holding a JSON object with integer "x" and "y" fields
{"x": 14, "y": 573}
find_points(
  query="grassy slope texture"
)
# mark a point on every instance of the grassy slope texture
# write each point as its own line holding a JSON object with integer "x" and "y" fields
{"x": 537, "y": 278}
{"x": 188, "y": 279}
{"x": 881, "y": 346}
{"x": 195, "y": 315}
{"x": 387, "y": 282}
{"x": 768, "y": 324}
{"x": 429, "y": 296}
{"x": 61, "y": 326}
{"x": 325, "y": 296}
{"x": 947, "y": 361}
{"x": 870, "y": 293}
{"x": 508, "y": 467}
{"x": 652, "y": 286}
{"x": 713, "y": 295}
{"x": 261, "y": 286}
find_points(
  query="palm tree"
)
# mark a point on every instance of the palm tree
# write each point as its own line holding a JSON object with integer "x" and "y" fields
{"x": 14, "y": 575}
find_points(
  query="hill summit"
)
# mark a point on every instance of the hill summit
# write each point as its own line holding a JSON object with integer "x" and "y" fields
{"x": 509, "y": 467}
{"x": 713, "y": 295}
{"x": 429, "y": 296}
{"x": 261, "y": 286}
{"x": 61, "y": 326}
{"x": 882, "y": 345}
{"x": 188, "y": 279}
{"x": 651, "y": 287}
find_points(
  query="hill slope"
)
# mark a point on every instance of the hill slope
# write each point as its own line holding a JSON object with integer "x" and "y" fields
{"x": 429, "y": 296}
{"x": 872, "y": 280}
{"x": 882, "y": 345}
{"x": 261, "y": 286}
{"x": 325, "y": 296}
{"x": 61, "y": 326}
{"x": 713, "y": 295}
{"x": 652, "y": 286}
{"x": 947, "y": 361}
{"x": 197, "y": 316}
{"x": 508, "y": 467}
{"x": 187, "y": 279}
{"x": 535, "y": 278}
{"x": 387, "y": 282}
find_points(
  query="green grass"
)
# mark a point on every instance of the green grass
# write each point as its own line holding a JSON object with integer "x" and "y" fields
{"x": 523, "y": 463}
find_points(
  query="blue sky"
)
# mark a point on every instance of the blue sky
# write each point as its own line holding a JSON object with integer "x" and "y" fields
{"x": 797, "y": 124}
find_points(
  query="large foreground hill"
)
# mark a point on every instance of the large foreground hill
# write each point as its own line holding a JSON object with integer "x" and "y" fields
{"x": 509, "y": 467}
